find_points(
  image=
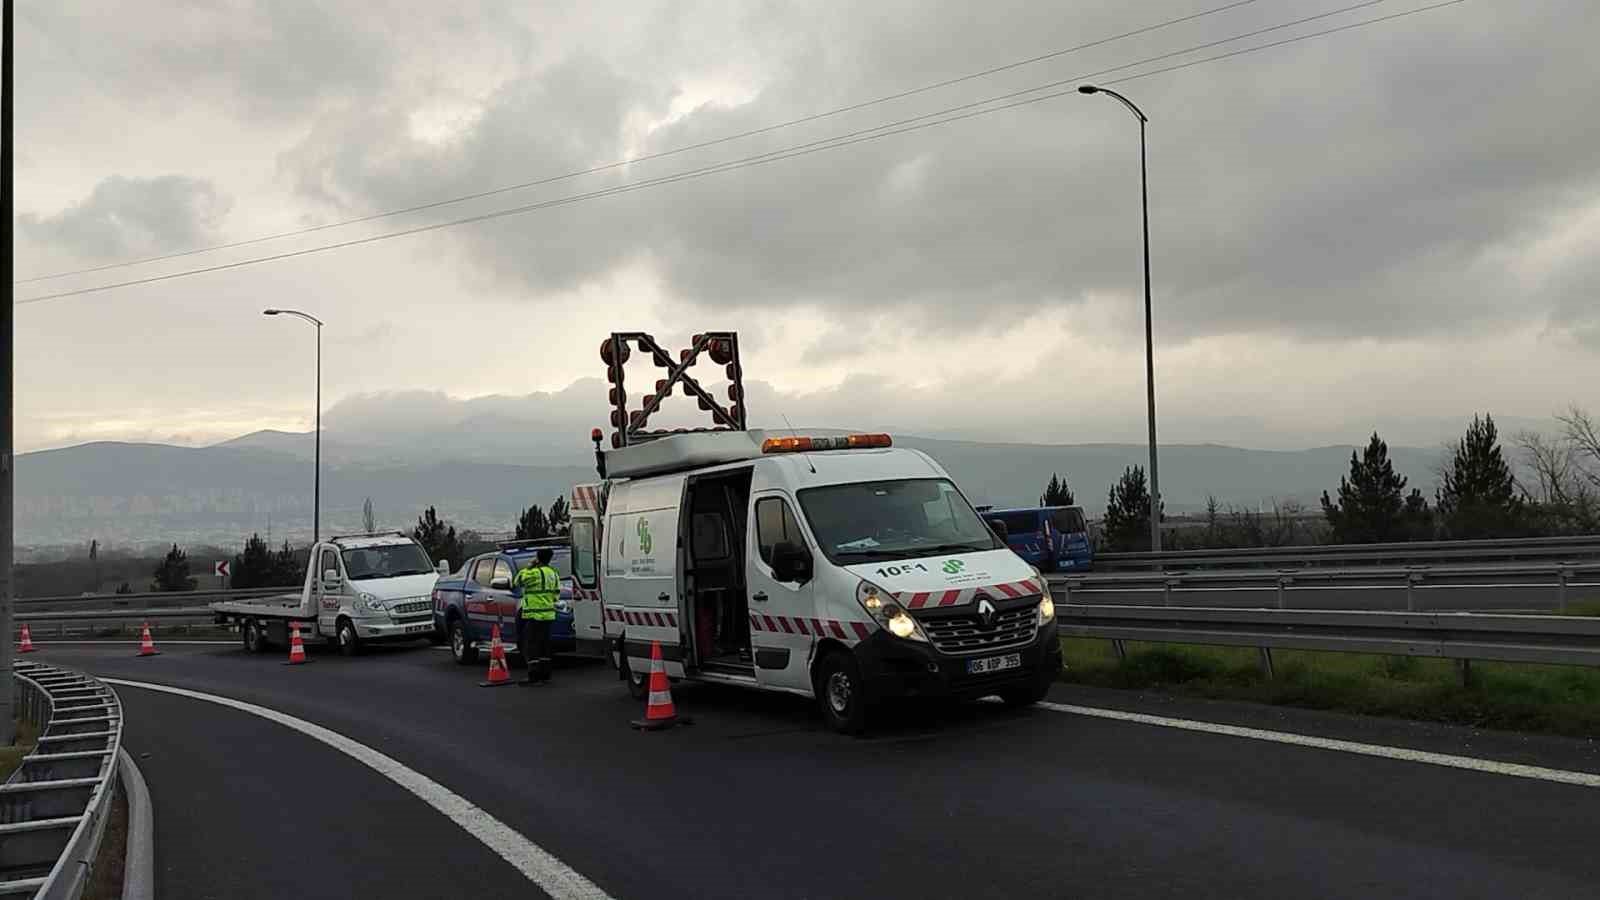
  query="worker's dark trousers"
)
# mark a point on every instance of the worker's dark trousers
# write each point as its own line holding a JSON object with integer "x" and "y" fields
{"x": 533, "y": 637}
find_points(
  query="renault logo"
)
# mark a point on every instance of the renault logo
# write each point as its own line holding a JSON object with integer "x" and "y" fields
{"x": 985, "y": 611}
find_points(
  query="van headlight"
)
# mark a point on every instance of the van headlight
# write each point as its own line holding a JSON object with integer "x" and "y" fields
{"x": 1047, "y": 609}
{"x": 371, "y": 601}
{"x": 881, "y": 605}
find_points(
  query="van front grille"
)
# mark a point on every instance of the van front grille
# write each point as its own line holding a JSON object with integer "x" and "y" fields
{"x": 965, "y": 634}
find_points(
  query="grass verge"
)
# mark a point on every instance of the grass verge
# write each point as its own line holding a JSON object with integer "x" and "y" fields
{"x": 1512, "y": 696}
{"x": 11, "y": 757}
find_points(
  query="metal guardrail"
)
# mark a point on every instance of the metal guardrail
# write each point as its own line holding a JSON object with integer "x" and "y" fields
{"x": 149, "y": 599}
{"x": 1555, "y": 549}
{"x": 1559, "y": 577}
{"x": 54, "y": 808}
{"x": 1460, "y": 636}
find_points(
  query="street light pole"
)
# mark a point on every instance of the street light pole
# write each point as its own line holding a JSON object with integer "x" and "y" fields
{"x": 1149, "y": 341}
{"x": 316, "y": 482}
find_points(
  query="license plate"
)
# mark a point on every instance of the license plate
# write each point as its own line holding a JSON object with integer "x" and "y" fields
{"x": 994, "y": 664}
{"x": 418, "y": 629}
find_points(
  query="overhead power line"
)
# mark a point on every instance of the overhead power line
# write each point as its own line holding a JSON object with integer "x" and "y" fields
{"x": 594, "y": 170}
{"x": 942, "y": 117}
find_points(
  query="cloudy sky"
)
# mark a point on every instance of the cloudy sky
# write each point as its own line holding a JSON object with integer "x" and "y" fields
{"x": 1393, "y": 226}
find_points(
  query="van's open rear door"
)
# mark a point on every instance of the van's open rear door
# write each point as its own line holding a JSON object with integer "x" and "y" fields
{"x": 588, "y": 611}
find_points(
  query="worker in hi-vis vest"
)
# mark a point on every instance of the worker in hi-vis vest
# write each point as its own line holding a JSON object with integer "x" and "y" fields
{"x": 541, "y": 587}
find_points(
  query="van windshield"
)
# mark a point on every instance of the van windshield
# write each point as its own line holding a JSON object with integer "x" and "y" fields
{"x": 881, "y": 520}
{"x": 391, "y": 561}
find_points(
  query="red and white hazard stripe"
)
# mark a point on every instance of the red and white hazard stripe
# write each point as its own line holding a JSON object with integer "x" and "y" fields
{"x": 586, "y": 496}
{"x": 652, "y": 618}
{"x": 834, "y": 628}
{"x": 1004, "y": 590}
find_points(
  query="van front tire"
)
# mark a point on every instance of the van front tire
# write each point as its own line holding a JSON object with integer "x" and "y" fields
{"x": 349, "y": 641}
{"x": 841, "y": 693}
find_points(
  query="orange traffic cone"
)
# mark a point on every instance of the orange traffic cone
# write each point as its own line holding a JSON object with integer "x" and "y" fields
{"x": 27, "y": 641}
{"x": 297, "y": 649}
{"x": 147, "y": 644}
{"x": 659, "y": 713}
{"x": 498, "y": 674}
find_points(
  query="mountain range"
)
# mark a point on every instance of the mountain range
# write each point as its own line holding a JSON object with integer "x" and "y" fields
{"x": 481, "y": 472}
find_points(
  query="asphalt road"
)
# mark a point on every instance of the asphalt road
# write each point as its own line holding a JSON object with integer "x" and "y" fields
{"x": 757, "y": 800}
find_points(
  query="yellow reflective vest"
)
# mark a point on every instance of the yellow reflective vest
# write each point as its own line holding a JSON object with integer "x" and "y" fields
{"x": 541, "y": 587}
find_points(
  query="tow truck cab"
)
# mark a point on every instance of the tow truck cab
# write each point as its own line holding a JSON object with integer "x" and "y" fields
{"x": 835, "y": 567}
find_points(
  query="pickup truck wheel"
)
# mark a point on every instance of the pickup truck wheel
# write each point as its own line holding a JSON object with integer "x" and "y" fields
{"x": 349, "y": 641}
{"x": 841, "y": 693}
{"x": 460, "y": 647}
{"x": 254, "y": 636}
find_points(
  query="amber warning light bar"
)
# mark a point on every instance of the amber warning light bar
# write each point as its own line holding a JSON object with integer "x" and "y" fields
{"x": 805, "y": 444}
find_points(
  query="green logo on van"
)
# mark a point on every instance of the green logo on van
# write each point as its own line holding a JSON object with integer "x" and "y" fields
{"x": 644, "y": 537}
{"x": 953, "y": 566}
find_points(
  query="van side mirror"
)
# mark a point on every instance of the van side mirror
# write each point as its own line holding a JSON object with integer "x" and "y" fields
{"x": 791, "y": 563}
{"x": 1000, "y": 530}
{"x": 330, "y": 577}
{"x": 499, "y": 584}
{"x": 442, "y": 567}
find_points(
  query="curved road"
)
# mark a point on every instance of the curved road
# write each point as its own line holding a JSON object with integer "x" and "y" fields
{"x": 757, "y": 800}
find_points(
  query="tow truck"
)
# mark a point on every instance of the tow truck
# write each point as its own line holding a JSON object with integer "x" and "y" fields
{"x": 358, "y": 589}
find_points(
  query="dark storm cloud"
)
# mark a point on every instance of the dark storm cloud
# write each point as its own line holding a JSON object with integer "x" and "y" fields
{"x": 131, "y": 216}
{"x": 1350, "y": 186}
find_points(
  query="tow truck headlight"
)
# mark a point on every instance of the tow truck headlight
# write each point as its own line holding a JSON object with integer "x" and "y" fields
{"x": 880, "y": 604}
{"x": 371, "y": 601}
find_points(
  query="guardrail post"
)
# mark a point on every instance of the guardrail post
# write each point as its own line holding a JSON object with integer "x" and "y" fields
{"x": 1413, "y": 578}
{"x": 1465, "y": 666}
{"x": 1167, "y": 584}
{"x": 1266, "y": 663}
{"x": 1119, "y": 647}
{"x": 1563, "y": 572}
{"x": 1284, "y": 581}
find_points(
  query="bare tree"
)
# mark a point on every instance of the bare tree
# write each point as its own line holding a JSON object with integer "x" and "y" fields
{"x": 1582, "y": 433}
{"x": 1553, "y": 463}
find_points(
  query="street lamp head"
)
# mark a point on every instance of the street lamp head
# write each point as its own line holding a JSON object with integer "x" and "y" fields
{"x": 270, "y": 312}
{"x": 1088, "y": 89}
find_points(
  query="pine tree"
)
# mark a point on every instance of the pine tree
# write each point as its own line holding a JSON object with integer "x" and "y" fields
{"x": 438, "y": 537}
{"x": 173, "y": 573}
{"x": 532, "y": 524}
{"x": 1371, "y": 502}
{"x": 1127, "y": 521}
{"x": 1057, "y": 493}
{"x": 1477, "y": 493}
{"x": 259, "y": 566}
{"x": 369, "y": 519}
{"x": 560, "y": 516}
{"x": 286, "y": 570}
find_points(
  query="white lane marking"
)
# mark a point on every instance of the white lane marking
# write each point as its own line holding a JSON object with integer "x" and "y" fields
{"x": 1492, "y": 767}
{"x": 540, "y": 866}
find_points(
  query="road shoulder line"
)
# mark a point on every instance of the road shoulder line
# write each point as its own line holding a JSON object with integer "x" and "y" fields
{"x": 1402, "y": 754}
{"x": 540, "y": 866}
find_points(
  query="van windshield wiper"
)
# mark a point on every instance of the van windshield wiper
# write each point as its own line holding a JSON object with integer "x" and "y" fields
{"x": 951, "y": 548}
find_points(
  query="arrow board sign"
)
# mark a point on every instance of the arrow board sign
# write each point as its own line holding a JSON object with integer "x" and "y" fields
{"x": 220, "y": 569}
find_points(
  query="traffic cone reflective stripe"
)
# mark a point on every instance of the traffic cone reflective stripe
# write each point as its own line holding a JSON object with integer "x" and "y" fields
{"x": 659, "y": 712}
{"x": 297, "y": 648}
{"x": 147, "y": 644}
{"x": 27, "y": 641}
{"x": 498, "y": 673}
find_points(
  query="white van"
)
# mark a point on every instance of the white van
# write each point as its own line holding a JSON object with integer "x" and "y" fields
{"x": 840, "y": 568}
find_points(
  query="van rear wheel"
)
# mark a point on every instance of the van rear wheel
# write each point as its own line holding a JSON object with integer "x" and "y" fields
{"x": 255, "y": 640}
{"x": 638, "y": 685}
{"x": 841, "y": 694}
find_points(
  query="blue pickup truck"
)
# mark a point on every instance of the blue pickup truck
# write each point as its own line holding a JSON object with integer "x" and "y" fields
{"x": 1054, "y": 538}
{"x": 468, "y": 602}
